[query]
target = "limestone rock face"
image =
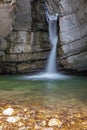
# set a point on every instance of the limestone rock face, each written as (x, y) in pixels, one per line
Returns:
(23, 15)
(72, 49)
(73, 34)
(26, 47)
(5, 19)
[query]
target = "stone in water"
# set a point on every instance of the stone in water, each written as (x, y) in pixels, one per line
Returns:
(8, 111)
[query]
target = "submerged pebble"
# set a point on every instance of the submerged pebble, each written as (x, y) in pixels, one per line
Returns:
(43, 123)
(23, 128)
(48, 128)
(38, 117)
(54, 122)
(0, 127)
(13, 119)
(8, 111)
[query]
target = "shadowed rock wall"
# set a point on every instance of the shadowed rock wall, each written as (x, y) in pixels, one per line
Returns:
(26, 48)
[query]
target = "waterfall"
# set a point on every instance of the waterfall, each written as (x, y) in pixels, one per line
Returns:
(53, 38)
(51, 68)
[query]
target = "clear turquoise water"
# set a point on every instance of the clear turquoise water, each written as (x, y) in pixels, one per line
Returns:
(71, 92)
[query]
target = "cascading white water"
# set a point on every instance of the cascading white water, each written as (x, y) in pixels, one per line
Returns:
(51, 69)
(53, 38)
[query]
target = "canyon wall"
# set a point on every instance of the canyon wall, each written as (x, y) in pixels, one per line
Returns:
(72, 46)
(26, 47)
(24, 43)
(73, 35)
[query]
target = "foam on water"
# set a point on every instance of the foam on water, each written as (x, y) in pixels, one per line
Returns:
(45, 76)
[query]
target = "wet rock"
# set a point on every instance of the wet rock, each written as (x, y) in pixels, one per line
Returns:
(23, 128)
(84, 124)
(21, 124)
(48, 128)
(37, 127)
(13, 119)
(0, 127)
(43, 123)
(8, 111)
(43, 118)
(55, 122)
(72, 122)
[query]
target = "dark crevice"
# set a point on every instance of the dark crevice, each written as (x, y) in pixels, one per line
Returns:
(47, 50)
(19, 62)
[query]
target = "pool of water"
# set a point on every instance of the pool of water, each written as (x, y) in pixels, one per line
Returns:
(65, 92)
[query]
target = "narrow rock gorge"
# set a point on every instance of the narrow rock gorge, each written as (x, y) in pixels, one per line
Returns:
(24, 43)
